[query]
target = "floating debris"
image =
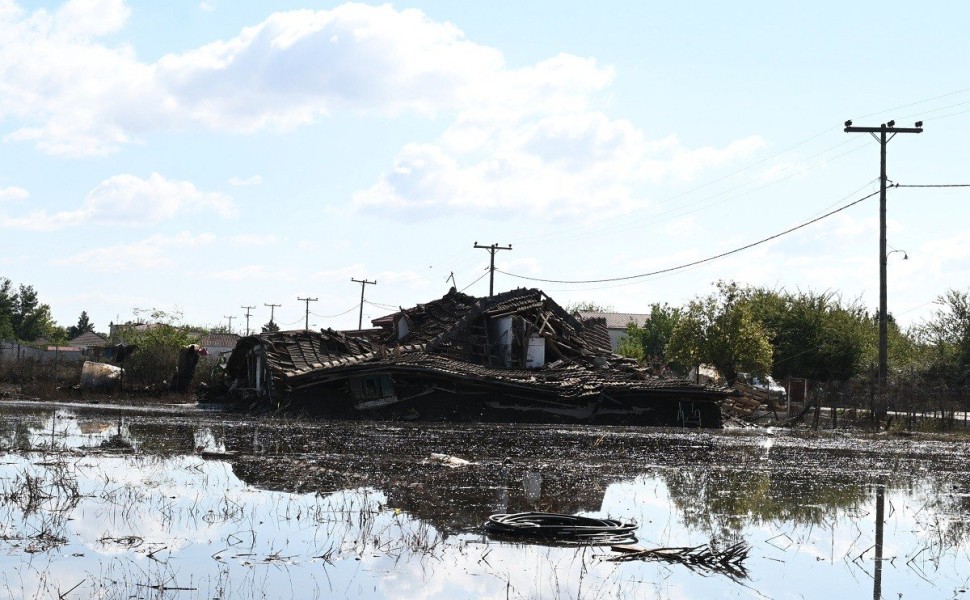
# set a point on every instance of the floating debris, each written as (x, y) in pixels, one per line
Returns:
(706, 557)
(561, 529)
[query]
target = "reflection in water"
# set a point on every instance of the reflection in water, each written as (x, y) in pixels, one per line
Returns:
(880, 521)
(358, 510)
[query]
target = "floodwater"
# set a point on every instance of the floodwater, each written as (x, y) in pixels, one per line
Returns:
(101, 502)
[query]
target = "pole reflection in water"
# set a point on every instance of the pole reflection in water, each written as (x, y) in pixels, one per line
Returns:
(880, 510)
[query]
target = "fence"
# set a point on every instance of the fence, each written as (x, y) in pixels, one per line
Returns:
(913, 400)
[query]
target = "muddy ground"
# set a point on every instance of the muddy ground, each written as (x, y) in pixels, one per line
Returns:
(399, 494)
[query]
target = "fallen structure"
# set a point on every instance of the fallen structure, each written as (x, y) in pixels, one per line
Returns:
(516, 356)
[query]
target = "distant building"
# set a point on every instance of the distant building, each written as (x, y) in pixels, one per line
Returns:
(217, 344)
(87, 340)
(616, 323)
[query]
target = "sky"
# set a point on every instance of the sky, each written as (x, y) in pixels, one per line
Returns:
(201, 157)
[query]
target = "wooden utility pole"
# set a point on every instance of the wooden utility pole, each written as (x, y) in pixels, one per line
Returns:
(248, 308)
(886, 131)
(491, 269)
(306, 325)
(363, 283)
(271, 307)
(230, 321)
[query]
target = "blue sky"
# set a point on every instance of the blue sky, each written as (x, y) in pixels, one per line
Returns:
(203, 156)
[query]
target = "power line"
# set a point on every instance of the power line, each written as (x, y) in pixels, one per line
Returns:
(363, 283)
(696, 262)
(333, 316)
(931, 185)
(587, 232)
(886, 132)
(306, 324)
(272, 310)
(480, 277)
(379, 305)
(248, 314)
(492, 249)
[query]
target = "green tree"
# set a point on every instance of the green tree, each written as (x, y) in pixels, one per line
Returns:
(587, 306)
(650, 341)
(945, 337)
(6, 309)
(721, 330)
(271, 327)
(814, 335)
(159, 342)
(30, 319)
(83, 326)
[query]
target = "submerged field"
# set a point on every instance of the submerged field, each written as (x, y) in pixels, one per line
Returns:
(105, 502)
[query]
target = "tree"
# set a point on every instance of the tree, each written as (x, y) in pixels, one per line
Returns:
(159, 343)
(271, 327)
(814, 335)
(83, 326)
(721, 330)
(6, 309)
(946, 337)
(30, 319)
(587, 306)
(650, 341)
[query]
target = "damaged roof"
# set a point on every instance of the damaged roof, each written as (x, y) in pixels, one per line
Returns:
(440, 341)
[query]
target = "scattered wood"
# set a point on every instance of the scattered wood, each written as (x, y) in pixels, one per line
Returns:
(705, 558)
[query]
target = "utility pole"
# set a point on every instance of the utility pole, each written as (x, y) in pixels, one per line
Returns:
(363, 283)
(248, 308)
(306, 325)
(491, 276)
(271, 307)
(886, 131)
(230, 321)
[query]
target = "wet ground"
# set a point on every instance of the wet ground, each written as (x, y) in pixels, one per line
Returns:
(176, 502)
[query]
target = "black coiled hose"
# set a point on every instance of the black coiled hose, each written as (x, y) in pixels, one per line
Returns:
(557, 528)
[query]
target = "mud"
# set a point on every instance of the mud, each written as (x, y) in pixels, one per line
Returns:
(151, 502)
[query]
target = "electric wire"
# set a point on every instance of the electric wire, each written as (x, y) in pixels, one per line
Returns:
(695, 205)
(931, 185)
(696, 262)
(559, 236)
(382, 306)
(476, 281)
(354, 307)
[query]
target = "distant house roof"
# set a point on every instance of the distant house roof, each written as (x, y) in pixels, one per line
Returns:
(597, 334)
(615, 320)
(219, 340)
(88, 339)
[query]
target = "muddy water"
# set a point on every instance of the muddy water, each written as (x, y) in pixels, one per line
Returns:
(109, 503)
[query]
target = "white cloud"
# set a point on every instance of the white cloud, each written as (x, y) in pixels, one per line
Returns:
(254, 239)
(527, 141)
(581, 166)
(247, 272)
(121, 257)
(207, 6)
(147, 255)
(244, 181)
(129, 200)
(339, 275)
(65, 92)
(283, 72)
(13, 193)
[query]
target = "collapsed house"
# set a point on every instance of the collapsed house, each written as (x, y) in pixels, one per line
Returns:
(515, 356)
